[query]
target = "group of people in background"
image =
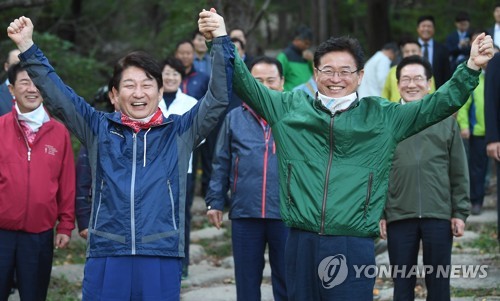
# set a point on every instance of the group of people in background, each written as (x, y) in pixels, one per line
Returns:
(303, 150)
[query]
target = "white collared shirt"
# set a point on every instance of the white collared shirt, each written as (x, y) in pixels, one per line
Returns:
(496, 35)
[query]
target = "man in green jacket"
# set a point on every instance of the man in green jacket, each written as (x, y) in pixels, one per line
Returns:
(335, 152)
(428, 196)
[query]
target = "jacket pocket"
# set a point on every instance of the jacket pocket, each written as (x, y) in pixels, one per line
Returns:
(235, 171)
(368, 194)
(99, 201)
(288, 184)
(172, 204)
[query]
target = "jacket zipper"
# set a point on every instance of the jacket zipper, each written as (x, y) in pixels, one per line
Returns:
(28, 147)
(419, 157)
(327, 177)
(267, 136)
(236, 162)
(132, 192)
(368, 193)
(288, 185)
(99, 204)
(172, 204)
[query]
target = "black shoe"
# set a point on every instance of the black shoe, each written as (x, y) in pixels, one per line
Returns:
(475, 210)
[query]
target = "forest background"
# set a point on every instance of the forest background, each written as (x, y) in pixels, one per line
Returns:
(83, 39)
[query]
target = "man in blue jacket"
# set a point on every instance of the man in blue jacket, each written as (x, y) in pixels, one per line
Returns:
(139, 160)
(245, 163)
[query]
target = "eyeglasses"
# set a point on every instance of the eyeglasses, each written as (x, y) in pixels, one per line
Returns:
(341, 74)
(406, 80)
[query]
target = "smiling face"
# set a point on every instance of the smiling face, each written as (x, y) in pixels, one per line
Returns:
(268, 75)
(336, 86)
(425, 30)
(185, 53)
(138, 95)
(410, 49)
(27, 96)
(413, 83)
(199, 44)
(171, 79)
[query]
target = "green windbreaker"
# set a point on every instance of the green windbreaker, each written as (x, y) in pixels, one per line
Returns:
(334, 168)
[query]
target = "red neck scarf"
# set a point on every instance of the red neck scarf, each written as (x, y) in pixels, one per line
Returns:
(137, 125)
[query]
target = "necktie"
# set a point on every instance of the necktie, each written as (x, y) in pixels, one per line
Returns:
(426, 51)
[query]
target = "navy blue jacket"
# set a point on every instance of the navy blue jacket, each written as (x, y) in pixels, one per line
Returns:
(83, 194)
(492, 100)
(5, 99)
(138, 179)
(245, 162)
(195, 84)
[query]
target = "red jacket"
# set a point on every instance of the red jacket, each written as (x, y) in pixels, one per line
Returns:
(38, 188)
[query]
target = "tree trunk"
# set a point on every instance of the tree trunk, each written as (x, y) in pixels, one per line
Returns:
(378, 29)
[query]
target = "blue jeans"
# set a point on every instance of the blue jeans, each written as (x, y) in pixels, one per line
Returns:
(324, 267)
(403, 243)
(250, 237)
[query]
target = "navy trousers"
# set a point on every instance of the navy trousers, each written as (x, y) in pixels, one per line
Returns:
(326, 267)
(478, 166)
(250, 237)
(134, 278)
(403, 243)
(30, 255)
(187, 223)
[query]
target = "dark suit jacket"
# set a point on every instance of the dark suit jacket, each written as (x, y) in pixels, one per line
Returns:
(452, 44)
(492, 100)
(491, 31)
(5, 99)
(440, 64)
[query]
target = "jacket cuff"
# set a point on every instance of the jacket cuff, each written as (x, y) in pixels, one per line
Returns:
(28, 53)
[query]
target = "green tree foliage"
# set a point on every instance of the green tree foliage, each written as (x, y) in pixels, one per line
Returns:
(83, 39)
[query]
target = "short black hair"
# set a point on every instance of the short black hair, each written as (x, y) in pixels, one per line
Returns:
(195, 33)
(414, 59)
(462, 16)
(239, 41)
(409, 40)
(391, 46)
(303, 33)
(426, 18)
(185, 41)
(175, 64)
(266, 60)
(344, 43)
(141, 60)
(13, 71)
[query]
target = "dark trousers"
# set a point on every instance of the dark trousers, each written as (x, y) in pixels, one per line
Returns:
(250, 237)
(132, 278)
(323, 267)
(497, 166)
(30, 255)
(478, 166)
(403, 243)
(187, 223)
(206, 154)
